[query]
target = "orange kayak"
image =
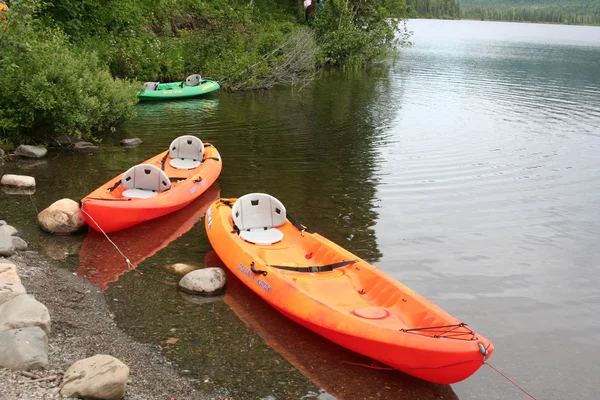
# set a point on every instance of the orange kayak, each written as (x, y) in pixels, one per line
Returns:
(332, 292)
(159, 186)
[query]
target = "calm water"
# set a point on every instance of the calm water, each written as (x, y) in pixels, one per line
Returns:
(468, 170)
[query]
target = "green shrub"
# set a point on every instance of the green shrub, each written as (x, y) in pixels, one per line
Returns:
(48, 88)
(357, 33)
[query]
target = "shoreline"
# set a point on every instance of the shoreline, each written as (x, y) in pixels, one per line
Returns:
(81, 327)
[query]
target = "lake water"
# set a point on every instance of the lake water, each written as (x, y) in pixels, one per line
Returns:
(468, 169)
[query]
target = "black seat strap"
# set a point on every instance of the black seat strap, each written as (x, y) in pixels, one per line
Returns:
(162, 162)
(315, 268)
(298, 225)
(115, 186)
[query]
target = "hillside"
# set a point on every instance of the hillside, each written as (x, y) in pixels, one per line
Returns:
(584, 12)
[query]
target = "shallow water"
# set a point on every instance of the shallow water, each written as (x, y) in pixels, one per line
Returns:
(467, 170)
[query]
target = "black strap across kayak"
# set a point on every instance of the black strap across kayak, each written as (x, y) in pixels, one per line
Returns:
(298, 225)
(315, 268)
(164, 159)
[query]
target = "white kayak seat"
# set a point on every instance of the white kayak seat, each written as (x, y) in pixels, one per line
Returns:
(193, 80)
(144, 180)
(151, 86)
(186, 152)
(257, 216)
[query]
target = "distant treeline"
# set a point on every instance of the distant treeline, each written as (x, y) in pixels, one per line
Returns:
(445, 9)
(580, 12)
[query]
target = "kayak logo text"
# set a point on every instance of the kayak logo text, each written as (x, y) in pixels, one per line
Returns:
(260, 282)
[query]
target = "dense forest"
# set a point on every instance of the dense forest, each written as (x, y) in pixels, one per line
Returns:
(74, 67)
(444, 9)
(582, 12)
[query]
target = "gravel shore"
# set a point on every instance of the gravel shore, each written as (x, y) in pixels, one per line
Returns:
(82, 326)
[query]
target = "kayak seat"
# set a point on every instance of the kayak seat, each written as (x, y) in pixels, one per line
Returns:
(257, 216)
(143, 181)
(151, 86)
(186, 152)
(193, 80)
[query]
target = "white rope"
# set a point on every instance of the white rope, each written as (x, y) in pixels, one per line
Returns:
(113, 243)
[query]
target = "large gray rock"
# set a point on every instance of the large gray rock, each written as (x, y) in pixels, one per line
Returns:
(31, 151)
(100, 377)
(24, 349)
(19, 244)
(8, 230)
(10, 283)
(205, 282)
(7, 248)
(20, 181)
(24, 311)
(62, 216)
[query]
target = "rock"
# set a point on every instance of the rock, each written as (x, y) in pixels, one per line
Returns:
(131, 142)
(24, 349)
(100, 377)
(64, 141)
(2, 155)
(24, 311)
(206, 282)
(31, 151)
(181, 268)
(7, 248)
(10, 283)
(2, 222)
(20, 181)
(19, 244)
(62, 216)
(85, 147)
(8, 230)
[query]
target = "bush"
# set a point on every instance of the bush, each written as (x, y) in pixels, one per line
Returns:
(357, 33)
(48, 88)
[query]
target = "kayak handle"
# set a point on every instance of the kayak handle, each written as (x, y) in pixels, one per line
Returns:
(257, 271)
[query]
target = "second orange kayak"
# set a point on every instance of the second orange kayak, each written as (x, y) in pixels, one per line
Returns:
(160, 185)
(331, 291)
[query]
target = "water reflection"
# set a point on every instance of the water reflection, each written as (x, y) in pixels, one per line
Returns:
(101, 263)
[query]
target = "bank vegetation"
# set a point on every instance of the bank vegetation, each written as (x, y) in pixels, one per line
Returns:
(74, 67)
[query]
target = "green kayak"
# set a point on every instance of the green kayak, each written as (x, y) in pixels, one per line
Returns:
(193, 86)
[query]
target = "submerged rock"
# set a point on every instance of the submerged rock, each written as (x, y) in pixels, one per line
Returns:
(131, 142)
(181, 268)
(30, 151)
(20, 181)
(24, 349)
(205, 282)
(62, 217)
(100, 377)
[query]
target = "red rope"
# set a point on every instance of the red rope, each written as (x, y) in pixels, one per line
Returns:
(510, 380)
